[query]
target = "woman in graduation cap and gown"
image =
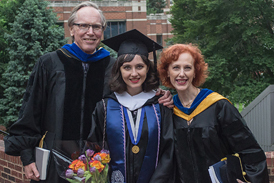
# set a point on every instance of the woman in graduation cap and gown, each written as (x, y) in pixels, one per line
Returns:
(207, 127)
(138, 130)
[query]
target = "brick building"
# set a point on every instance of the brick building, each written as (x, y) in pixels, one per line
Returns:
(121, 16)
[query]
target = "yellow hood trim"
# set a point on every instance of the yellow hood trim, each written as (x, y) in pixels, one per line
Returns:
(207, 102)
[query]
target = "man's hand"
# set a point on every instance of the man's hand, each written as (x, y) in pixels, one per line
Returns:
(31, 172)
(166, 99)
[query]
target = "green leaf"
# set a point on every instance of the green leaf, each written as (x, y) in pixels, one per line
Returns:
(236, 39)
(73, 180)
(30, 32)
(88, 177)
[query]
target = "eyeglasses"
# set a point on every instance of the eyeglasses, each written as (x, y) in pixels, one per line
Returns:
(85, 27)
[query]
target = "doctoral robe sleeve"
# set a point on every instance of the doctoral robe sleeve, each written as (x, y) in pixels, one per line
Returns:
(97, 124)
(239, 139)
(164, 171)
(25, 133)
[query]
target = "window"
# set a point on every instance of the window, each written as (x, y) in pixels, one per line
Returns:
(159, 39)
(114, 28)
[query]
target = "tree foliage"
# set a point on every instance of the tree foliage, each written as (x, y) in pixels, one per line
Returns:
(112, 52)
(155, 6)
(237, 40)
(7, 15)
(33, 33)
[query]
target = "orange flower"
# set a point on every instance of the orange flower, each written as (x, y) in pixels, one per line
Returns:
(105, 158)
(76, 164)
(97, 164)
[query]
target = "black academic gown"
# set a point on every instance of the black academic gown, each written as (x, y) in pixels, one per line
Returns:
(215, 132)
(59, 98)
(164, 169)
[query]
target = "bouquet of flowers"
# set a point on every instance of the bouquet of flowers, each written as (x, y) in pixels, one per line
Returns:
(89, 167)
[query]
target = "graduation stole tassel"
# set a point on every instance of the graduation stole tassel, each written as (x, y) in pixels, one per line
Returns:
(134, 130)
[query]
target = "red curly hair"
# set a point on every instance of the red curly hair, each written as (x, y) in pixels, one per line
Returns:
(172, 54)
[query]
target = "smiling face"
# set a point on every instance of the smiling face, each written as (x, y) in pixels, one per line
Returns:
(181, 72)
(87, 41)
(134, 74)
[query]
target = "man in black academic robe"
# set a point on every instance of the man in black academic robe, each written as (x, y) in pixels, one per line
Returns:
(62, 92)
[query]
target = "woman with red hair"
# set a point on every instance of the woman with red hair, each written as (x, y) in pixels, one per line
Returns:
(207, 127)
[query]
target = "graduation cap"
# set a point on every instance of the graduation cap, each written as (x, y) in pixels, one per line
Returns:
(133, 42)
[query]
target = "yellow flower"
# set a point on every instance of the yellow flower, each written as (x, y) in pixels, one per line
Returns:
(97, 164)
(105, 158)
(76, 164)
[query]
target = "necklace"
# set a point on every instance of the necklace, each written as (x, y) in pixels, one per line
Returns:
(189, 103)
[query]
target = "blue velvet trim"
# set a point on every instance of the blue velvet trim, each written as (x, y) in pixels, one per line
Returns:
(115, 137)
(199, 98)
(116, 140)
(149, 162)
(76, 51)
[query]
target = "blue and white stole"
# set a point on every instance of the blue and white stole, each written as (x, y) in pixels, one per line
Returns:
(116, 137)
